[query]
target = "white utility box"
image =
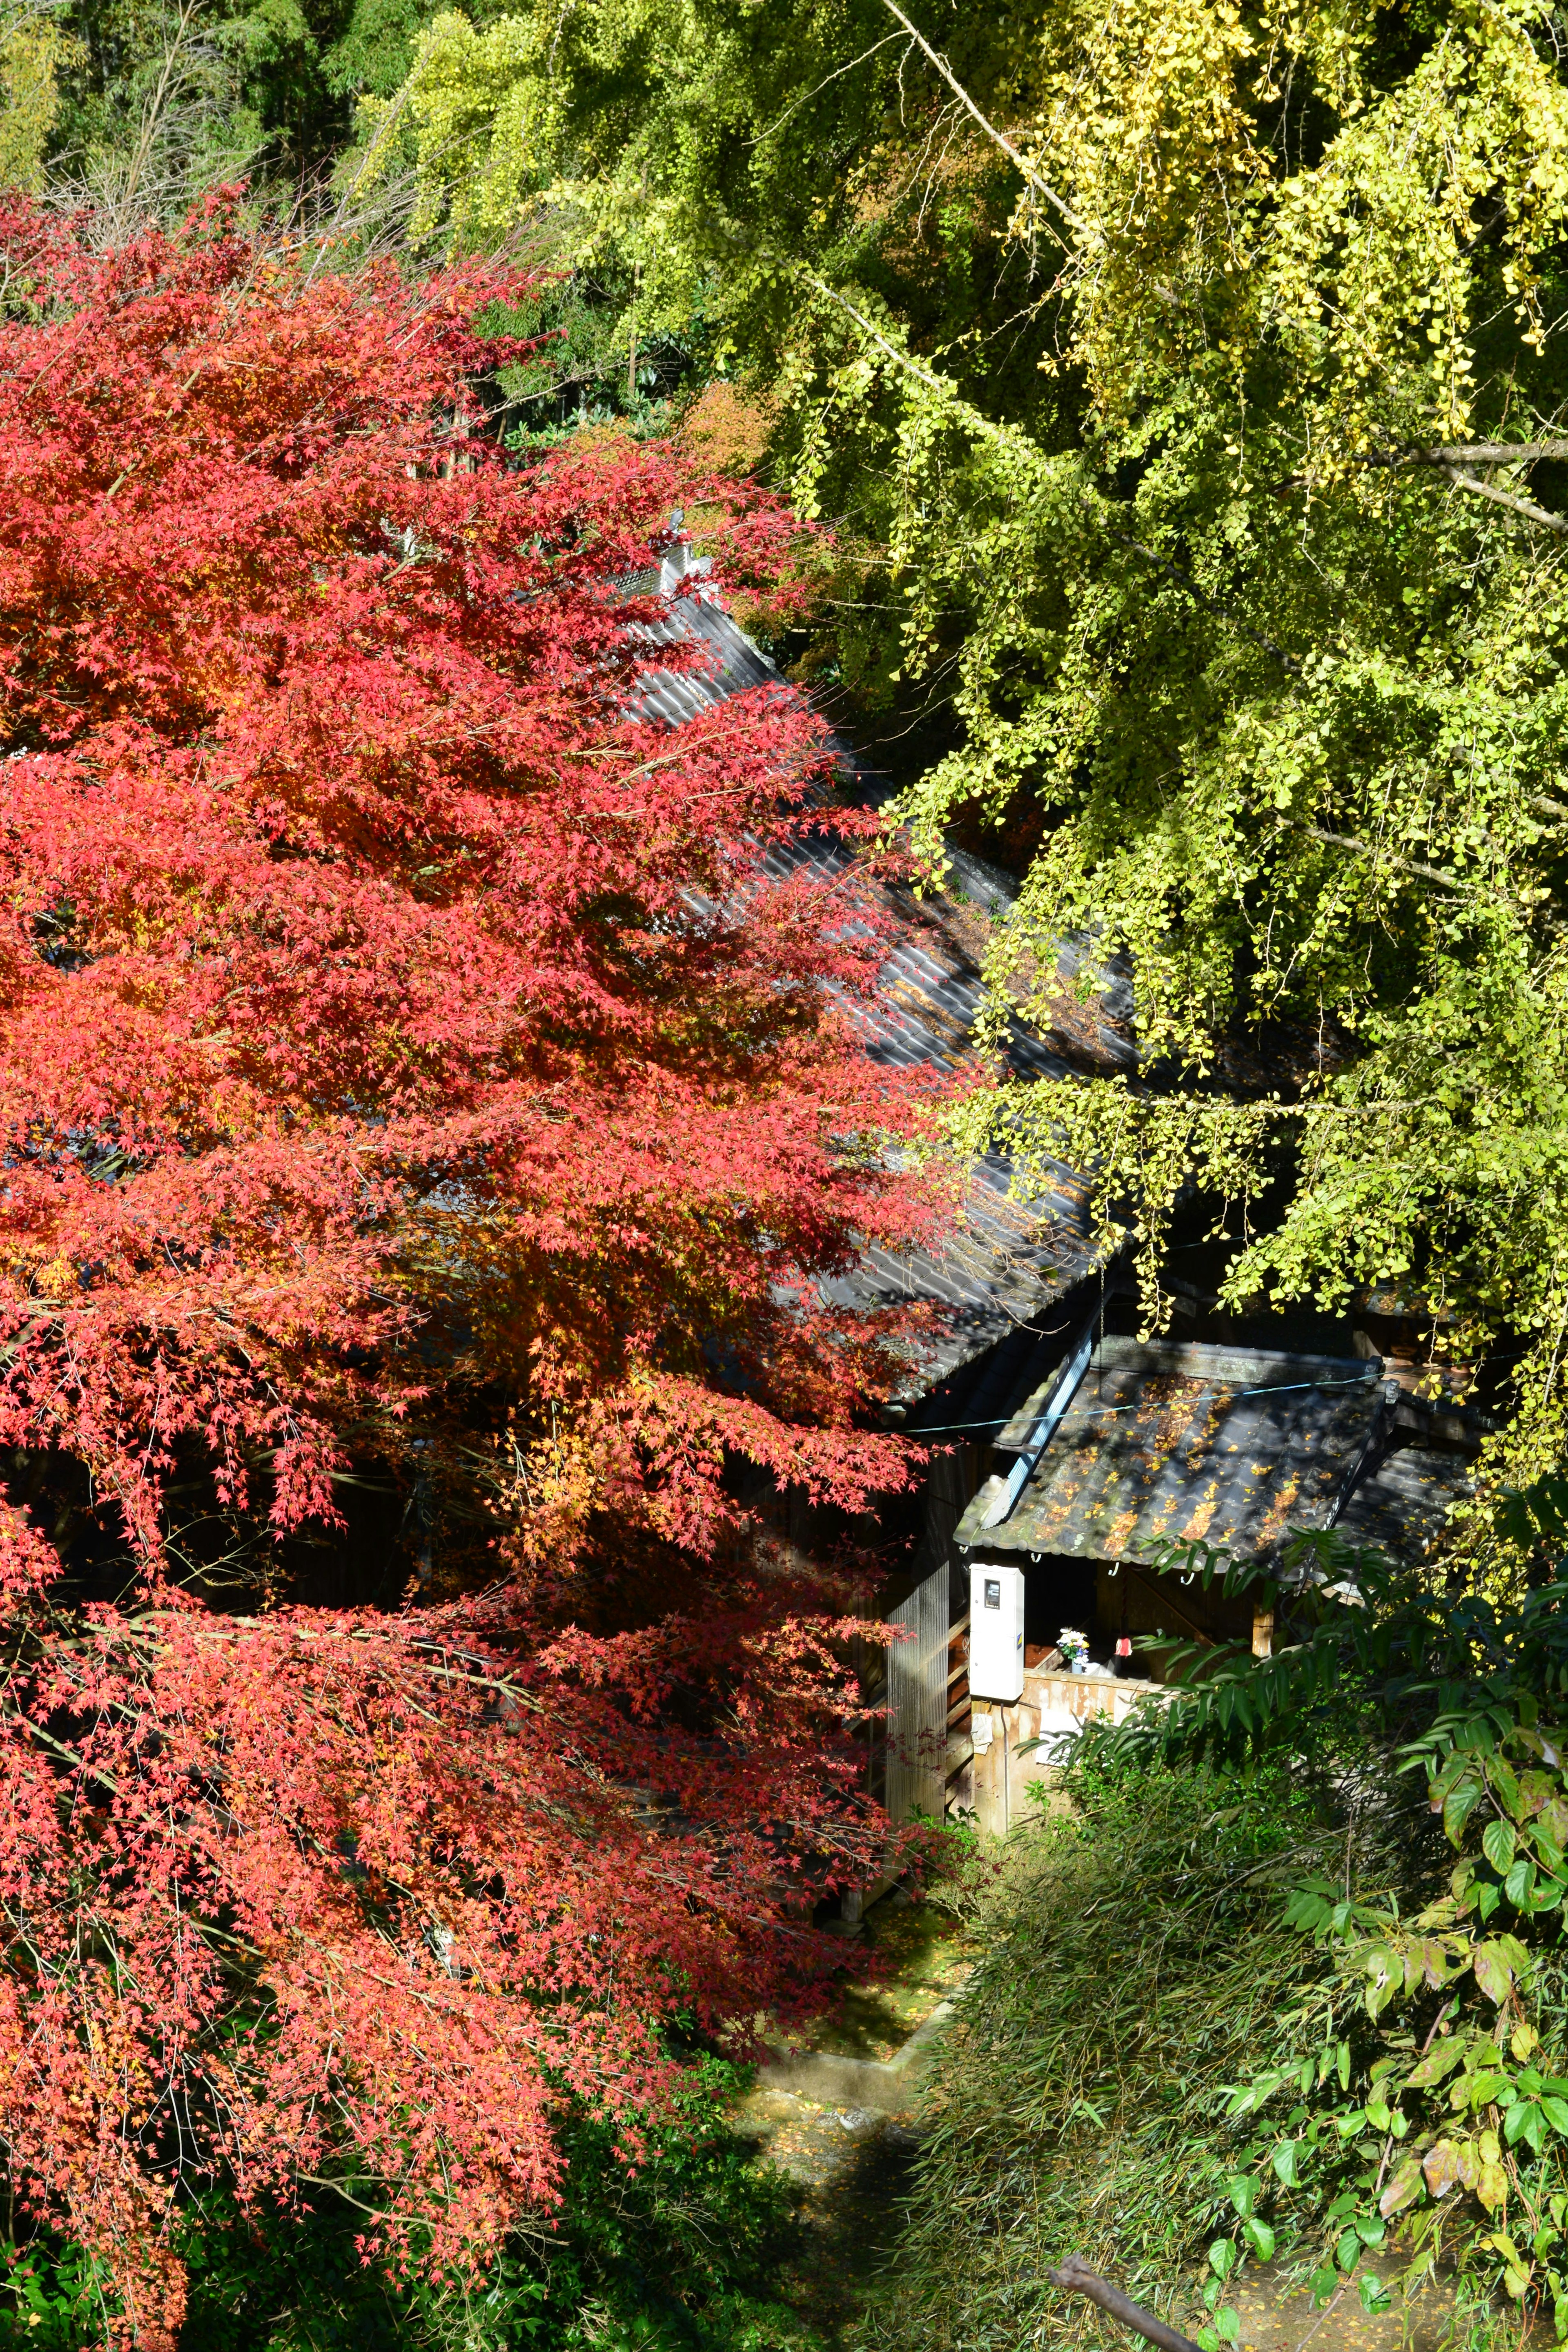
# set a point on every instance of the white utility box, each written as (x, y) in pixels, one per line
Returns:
(996, 1633)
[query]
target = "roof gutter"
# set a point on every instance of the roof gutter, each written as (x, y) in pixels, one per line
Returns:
(1047, 1421)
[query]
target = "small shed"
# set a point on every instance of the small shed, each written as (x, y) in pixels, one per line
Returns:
(1110, 1447)
(1140, 1443)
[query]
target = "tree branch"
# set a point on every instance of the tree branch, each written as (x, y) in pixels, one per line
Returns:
(1075, 2275)
(1495, 453)
(1366, 849)
(1451, 459)
(1033, 179)
(1509, 499)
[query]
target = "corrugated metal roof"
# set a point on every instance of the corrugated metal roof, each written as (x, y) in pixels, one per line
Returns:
(1009, 1255)
(736, 666)
(1234, 1446)
(996, 1275)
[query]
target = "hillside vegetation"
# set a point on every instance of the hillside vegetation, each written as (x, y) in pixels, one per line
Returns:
(432, 1160)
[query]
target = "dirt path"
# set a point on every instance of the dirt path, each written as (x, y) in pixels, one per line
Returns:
(852, 2163)
(1277, 2317)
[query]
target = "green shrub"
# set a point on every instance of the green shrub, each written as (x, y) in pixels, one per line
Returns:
(1138, 1967)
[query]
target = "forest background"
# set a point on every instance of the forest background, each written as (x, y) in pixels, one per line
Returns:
(1180, 385)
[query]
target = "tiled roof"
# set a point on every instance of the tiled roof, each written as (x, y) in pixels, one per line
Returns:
(1235, 1446)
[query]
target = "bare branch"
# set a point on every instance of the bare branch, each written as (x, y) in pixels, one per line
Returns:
(1495, 453)
(1509, 499)
(1031, 176)
(1075, 2275)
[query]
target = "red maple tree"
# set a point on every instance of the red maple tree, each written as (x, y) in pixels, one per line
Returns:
(406, 1077)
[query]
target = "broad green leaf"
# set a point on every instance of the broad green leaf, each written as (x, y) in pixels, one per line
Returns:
(1519, 1881)
(1498, 1843)
(1287, 2162)
(1260, 2237)
(1457, 1807)
(1524, 2120)
(1547, 1848)
(1439, 2061)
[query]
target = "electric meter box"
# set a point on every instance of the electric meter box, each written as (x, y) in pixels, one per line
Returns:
(996, 1633)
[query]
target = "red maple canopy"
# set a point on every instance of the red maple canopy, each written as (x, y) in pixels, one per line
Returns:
(404, 1076)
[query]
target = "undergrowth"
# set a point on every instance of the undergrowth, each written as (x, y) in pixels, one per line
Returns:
(1286, 1982)
(682, 2254)
(1137, 1968)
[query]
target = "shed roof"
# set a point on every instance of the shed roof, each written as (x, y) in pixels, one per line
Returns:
(1401, 1506)
(1235, 1446)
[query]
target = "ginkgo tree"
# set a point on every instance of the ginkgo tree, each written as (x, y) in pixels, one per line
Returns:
(1190, 375)
(408, 1077)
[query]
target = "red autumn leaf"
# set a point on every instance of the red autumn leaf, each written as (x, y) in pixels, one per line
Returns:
(403, 1055)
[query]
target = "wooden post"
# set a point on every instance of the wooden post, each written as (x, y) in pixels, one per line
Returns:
(1262, 1631)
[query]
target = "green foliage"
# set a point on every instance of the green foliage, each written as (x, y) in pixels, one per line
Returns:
(1137, 1964)
(34, 53)
(1132, 382)
(674, 2252)
(587, 372)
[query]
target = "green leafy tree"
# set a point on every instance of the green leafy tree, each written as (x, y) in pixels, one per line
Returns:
(1189, 377)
